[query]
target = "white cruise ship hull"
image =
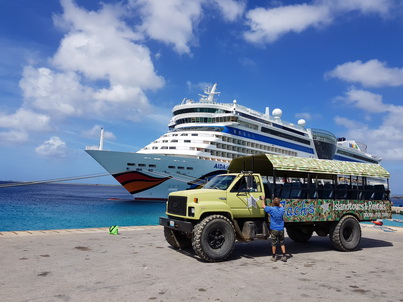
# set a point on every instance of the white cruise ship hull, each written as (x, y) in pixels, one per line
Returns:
(152, 177)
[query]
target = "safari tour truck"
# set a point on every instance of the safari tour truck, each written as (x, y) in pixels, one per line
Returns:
(327, 197)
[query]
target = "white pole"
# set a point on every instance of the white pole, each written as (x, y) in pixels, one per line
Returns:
(101, 140)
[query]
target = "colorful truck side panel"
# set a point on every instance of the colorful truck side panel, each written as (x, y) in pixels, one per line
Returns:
(316, 210)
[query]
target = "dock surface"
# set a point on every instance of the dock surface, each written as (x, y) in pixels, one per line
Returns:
(138, 265)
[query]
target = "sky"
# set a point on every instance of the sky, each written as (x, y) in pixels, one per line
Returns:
(70, 67)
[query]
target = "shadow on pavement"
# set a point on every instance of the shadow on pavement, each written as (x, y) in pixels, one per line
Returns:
(316, 244)
(262, 248)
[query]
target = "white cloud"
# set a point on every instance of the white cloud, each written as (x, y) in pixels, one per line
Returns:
(365, 100)
(18, 125)
(372, 73)
(308, 116)
(385, 140)
(101, 57)
(59, 93)
(26, 120)
(170, 21)
(95, 131)
(13, 137)
(54, 147)
(231, 10)
(175, 22)
(98, 70)
(343, 121)
(381, 7)
(268, 25)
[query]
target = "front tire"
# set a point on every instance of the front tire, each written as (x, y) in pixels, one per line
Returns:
(214, 238)
(345, 235)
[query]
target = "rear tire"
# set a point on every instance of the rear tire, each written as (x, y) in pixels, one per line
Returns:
(299, 234)
(214, 238)
(345, 234)
(176, 239)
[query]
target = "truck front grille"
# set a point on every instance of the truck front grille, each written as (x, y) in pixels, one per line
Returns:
(177, 205)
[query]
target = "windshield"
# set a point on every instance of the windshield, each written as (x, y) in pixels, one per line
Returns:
(219, 182)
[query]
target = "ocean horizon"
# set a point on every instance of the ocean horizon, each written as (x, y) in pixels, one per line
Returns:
(50, 206)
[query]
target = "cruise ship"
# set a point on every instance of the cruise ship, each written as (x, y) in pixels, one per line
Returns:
(205, 135)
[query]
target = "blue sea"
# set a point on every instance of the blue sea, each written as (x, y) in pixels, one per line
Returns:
(73, 206)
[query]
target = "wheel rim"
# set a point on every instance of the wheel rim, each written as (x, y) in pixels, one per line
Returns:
(216, 239)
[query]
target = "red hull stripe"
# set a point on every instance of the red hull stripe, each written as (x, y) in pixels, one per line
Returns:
(135, 176)
(136, 182)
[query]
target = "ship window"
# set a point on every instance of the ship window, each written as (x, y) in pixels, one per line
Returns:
(285, 135)
(187, 140)
(171, 167)
(152, 166)
(181, 168)
(200, 109)
(172, 147)
(189, 168)
(165, 147)
(195, 134)
(131, 164)
(174, 141)
(142, 165)
(184, 134)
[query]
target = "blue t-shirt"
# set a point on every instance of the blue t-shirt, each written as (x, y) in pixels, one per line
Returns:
(276, 217)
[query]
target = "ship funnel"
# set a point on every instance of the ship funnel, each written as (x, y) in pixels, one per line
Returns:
(267, 112)
(101, 140)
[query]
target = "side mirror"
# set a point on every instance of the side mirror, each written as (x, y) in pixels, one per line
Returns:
(249, 182)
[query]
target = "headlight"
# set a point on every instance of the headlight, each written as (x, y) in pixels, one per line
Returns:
(191, 211)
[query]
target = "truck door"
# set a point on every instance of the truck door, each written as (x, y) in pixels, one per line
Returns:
(243, 197)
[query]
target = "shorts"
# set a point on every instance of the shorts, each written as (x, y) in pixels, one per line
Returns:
(277, 237)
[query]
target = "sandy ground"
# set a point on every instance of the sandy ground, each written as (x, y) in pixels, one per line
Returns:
(138, 265)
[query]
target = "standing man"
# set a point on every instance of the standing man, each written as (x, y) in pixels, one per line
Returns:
(276, 227)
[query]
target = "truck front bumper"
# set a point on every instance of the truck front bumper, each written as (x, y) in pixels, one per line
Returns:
(175, 224)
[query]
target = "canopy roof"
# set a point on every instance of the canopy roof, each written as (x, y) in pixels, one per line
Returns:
(266, 164)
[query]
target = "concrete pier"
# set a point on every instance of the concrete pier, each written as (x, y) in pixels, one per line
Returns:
(397, 210)
(138, 265)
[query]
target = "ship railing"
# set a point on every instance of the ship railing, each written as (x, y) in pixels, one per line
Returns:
(363, 147)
